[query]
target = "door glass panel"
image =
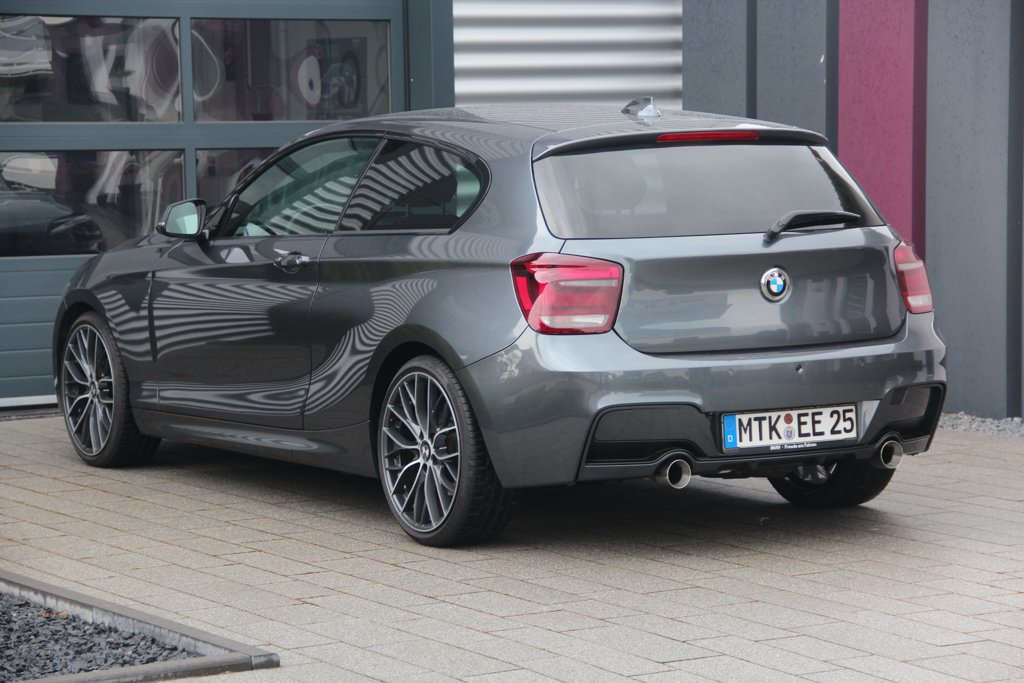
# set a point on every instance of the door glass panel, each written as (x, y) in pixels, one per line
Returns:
(219, 170)
(290, 69)
(83, 202)
(88, 69)
(413, 187)
(303, 193)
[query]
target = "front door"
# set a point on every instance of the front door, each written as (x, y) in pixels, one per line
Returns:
(230, 316)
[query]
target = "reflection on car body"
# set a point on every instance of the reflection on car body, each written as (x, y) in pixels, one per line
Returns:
(466, 302)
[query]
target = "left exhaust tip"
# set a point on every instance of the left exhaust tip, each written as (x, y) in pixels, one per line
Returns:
(676, 473)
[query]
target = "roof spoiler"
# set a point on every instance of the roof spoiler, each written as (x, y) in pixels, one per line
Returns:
(765, 135)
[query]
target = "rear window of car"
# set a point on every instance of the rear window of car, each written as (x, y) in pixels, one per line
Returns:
(682, 190)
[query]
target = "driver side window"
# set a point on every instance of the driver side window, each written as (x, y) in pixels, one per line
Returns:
(303, 193)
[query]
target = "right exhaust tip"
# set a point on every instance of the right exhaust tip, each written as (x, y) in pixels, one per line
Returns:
(889, 456)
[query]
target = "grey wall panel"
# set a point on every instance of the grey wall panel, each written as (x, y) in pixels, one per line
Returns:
(594, 51)
(715, 56)
(30, 290)
(791, 47)
(968, 72)
(430, 64)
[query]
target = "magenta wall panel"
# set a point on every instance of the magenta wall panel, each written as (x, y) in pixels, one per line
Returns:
(882, 90)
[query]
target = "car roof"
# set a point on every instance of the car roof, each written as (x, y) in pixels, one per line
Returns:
(543, 129)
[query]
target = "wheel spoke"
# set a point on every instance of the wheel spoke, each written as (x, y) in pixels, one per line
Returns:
(432, 497)
(449, 487)
(403, 444)
(76, 373)
(404, 420)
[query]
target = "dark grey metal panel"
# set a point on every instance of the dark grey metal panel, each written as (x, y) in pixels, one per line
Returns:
(715, 56)
(968, 117)
(30, 290)
(431, 62)
(791, 48)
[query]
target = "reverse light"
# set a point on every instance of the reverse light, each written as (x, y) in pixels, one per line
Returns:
(563, 294)
(709, 136)
(913, 279)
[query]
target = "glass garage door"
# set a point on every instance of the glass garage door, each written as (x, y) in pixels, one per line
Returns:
(106, 119)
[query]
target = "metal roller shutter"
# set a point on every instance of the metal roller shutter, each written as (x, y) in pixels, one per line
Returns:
(594, 51)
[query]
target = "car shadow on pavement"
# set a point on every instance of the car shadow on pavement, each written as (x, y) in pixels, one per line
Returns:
(728, 517)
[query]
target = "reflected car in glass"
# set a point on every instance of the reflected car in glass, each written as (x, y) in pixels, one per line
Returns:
(466, 302)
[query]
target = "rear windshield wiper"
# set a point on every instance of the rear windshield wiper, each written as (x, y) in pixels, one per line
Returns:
(803, 219)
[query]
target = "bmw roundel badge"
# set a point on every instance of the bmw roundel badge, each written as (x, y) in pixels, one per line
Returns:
(775, 284)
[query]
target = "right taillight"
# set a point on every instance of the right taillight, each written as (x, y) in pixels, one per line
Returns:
(564, 294)
(917, 293)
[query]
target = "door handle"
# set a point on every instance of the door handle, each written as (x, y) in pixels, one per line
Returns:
(292, 261)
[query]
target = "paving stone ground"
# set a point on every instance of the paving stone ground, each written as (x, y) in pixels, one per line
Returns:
(723, 581)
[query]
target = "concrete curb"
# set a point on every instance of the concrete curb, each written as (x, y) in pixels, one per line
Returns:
(220, 655)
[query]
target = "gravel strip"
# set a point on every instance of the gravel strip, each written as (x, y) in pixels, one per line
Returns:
(37, 642)
(1011, 426)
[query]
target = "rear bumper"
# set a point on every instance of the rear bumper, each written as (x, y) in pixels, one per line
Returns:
(544, 402)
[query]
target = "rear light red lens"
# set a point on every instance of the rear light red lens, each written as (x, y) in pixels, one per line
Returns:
(708, 136)
(563, 294)
(917, 293)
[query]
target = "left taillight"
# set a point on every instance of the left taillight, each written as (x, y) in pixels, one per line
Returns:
(564, 294)
(913, 279)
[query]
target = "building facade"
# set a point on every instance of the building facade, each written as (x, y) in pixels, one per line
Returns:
(111, 110)
(107, 115)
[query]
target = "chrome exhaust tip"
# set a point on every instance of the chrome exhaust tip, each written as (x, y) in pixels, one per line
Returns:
(676, 473)
(889, 456)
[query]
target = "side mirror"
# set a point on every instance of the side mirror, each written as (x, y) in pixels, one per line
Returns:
(184, 219)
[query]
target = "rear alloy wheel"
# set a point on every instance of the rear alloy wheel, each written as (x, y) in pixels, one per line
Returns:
(836, 485)
(94, 398)
(436, 474)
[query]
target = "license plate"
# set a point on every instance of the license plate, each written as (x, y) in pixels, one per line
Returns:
(784, 430)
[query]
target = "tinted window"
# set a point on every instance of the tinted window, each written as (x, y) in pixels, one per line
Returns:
(412, 187)
(303, 193)
(82, 201)
(691, 190)
(89, 69)
(290, 69)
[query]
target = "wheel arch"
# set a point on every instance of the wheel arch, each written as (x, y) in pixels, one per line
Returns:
(71, 308)
(397, 349)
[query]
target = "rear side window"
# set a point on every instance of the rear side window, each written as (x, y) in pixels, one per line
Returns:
(413, 187)
(691, 190)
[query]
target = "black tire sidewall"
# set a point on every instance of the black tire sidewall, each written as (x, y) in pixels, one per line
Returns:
(851, 483)
(108, 454)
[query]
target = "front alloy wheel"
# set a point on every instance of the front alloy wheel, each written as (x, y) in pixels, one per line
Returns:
(434, 468)
(94, 398)
(88, 393)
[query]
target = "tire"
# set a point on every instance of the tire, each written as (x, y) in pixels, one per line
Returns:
(835, 485)
(93, 390)
(434, 468)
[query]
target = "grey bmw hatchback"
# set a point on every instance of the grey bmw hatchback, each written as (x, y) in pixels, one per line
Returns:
(465, 302)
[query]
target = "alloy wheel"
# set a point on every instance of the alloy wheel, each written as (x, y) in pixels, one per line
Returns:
(420, 443)
(88, 389)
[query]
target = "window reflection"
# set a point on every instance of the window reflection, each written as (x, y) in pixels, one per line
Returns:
(219, 170)
(88, 69)
(278, 70)
(83, 202)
